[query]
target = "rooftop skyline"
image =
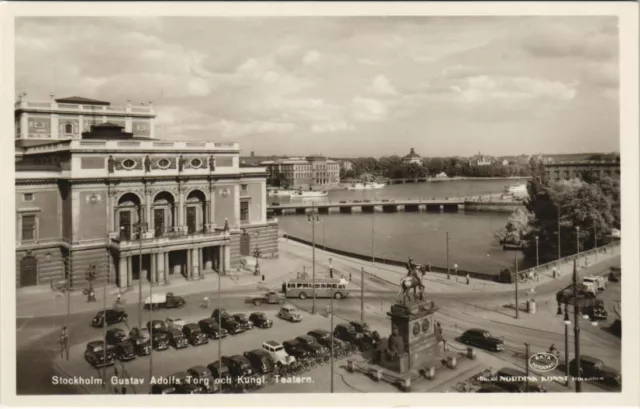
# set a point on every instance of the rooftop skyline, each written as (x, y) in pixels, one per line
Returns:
(346, 87)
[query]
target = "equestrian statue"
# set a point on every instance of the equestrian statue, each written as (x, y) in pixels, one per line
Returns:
(413, 280)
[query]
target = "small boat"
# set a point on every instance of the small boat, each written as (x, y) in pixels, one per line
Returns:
(309, 193)
(366, 186)
(279, 192)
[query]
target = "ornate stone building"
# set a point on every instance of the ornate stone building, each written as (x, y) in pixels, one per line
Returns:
(132, 206)
(310, 172)
(574, 169)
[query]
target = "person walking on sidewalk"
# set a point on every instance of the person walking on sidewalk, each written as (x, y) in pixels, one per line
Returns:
(555, 272)
(468, 281)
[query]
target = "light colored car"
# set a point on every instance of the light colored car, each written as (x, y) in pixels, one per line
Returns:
(290, 313)
(177, 323)
(277, 352)
(598, 282)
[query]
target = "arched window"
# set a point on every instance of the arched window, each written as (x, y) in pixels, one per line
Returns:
(68, 129)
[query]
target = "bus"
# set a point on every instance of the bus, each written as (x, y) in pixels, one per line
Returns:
(303, 288)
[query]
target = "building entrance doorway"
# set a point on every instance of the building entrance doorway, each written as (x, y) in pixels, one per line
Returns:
(28, 271)
(245, 244)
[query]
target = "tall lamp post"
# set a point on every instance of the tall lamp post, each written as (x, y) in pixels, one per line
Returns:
(537, 254)
(140, 227)
(595, 238)
(559, 245)
(517, 279)
(257, 254)
(448, 272)
(577, 241)
(313, 218)
(455, 269)
(331, 332)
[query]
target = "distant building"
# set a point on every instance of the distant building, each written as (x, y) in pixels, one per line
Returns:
(505, 162)
(303, 173)
(574, 169)
(346, 165)
(441, 175)
(412, 157)
(480, 160)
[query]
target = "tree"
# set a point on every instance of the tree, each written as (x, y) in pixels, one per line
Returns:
(517, 227)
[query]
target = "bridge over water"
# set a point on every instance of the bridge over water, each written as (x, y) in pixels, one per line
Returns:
(393, 206)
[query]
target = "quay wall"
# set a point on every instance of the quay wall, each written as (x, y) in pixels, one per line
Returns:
(478, 206)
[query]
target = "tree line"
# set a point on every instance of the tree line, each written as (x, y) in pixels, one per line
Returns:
(392, 167)
(564, 215)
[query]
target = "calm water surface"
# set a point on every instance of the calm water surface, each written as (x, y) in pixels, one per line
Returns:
(420, 235)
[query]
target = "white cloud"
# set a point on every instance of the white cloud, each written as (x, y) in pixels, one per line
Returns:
(311, 57)
(382, 86)
(484, 89)
(369, 110)
(332, 127)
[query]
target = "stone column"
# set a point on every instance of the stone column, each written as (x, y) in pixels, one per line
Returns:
(110, 212)
(167, 266)
(122, 272)
(189, 263)
(227, 258)
(152, 268)
(181, 203)
(211, 208)
(129, 272)
(195, 262)
(160, 268)
(147, 210)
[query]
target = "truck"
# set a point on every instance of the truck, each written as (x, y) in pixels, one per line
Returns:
(164, 300)
(599, 282)
(270, 297)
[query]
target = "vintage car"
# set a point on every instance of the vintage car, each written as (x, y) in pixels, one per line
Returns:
(124, 351)
(115, 336)
(160, 341)
(137, 332)
(597, 311)
(591, 367)
(482, 339)
(96, 355)
(176, 338)
(141, 345)
(323, 337)
(231, 325)
(277, 353)
(218, 312)
(296, 350)
(270, 297)
(185, 385)
(239, 366)
(175, 323)
(210, 327)
(290, 313)
(156, 326)
(367, 339)
(201, 376)
(244, 321)
(260, 320)
(312, 345)
(346, 332)
(194, 335)
(221, 375)
(260, 360)
(113, 316)
(513, 380)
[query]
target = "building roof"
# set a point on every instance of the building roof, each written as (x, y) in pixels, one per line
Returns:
(412, 155)
(81, 100)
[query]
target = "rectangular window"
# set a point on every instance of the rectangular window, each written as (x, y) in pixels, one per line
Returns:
(28, 227)
(244, 211)
(244, 188)
(27, 197)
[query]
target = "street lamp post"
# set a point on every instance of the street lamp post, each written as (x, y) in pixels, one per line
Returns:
(526, 378)
(537, 255)
(576, 324)
(448, 272)
(331, 331)
(595, 239)
(577, 241)
(313, 219)
(455, 269)
(559, 245)
(517, 279)
(373, 236)
(140, 227)
(567, 322)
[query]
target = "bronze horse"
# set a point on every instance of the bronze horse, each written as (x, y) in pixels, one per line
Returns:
(413, 281)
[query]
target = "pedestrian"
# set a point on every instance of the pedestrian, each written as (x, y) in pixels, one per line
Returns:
(331, 272)
(263, 278)
(284, 288)
(468, 281)
(555, 272)
(349, 277)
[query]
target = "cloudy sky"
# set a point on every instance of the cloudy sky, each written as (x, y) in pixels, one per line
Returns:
(344, 86)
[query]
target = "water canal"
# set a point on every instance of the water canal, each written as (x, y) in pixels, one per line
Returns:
(420, 235)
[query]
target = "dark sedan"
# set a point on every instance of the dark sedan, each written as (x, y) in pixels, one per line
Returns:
(322, 336)
(114, 336)
(312, 345)
(194, 334)
(210, 327)
(184, 384)
(113, 316)
(201, 376)
(140, 345)
(96, 355)
(295, 349)
(176, 338)
(260, 320)
(231, 325)
(159, 341)
(591, 367)
(244, 321)
(482, 339)
(124, 351)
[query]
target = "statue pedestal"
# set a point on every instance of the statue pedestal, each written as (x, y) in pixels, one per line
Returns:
(415, 326)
